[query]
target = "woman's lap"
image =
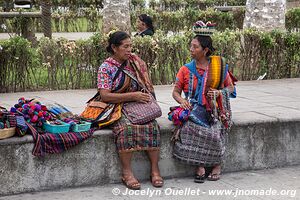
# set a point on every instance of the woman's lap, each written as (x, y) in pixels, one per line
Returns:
(199, 145)
(131, 137)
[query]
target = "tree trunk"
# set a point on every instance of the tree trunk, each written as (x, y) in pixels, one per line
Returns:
(265, 15)
(46, 17)
(116, 15)
(27, 30)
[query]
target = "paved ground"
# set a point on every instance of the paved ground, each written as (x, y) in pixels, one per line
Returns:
(272, 184)
(257, 101)
(70, 36)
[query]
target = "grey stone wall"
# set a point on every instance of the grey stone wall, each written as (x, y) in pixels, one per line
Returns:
(265, 15)
(116, 15)
(250, 146)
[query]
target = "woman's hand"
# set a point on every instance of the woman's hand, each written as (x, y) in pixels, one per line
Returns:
(141, 97)
(211, 92)
(183, 102)
(185, 105)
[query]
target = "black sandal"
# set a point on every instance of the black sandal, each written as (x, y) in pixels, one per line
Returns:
(199, 178)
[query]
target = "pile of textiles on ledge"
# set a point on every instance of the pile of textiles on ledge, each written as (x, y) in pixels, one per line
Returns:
(49, 143)
(53, 127)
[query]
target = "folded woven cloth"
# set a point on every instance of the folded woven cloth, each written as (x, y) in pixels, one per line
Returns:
(49, 143)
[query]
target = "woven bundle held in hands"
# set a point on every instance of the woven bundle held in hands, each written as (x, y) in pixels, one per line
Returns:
(215, 72)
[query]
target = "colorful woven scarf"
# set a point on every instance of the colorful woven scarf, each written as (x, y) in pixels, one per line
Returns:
(178, 115)
(49, 143)
(213, 77)
(141, 72)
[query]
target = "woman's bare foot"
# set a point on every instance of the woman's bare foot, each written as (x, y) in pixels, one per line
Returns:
(215, 174)
(200, 171)
(130, 181)
(156, 179)
(200, 175)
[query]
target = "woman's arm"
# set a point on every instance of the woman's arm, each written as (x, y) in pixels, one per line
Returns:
(177, 96)
(109, 97)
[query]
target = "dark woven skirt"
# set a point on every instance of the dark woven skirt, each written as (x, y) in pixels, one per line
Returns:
(200, 146)
(131, 137)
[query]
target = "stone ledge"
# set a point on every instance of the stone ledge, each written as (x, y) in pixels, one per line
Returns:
(164, 123)
(251, 145)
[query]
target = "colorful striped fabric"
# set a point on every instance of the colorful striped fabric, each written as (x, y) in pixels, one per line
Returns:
(21, 126)
(132, 137)
(12, 120)
(49, 143)
(199, 145)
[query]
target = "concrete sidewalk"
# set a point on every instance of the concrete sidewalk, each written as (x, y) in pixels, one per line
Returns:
(266, 134)
(258, 101)
(270, 184)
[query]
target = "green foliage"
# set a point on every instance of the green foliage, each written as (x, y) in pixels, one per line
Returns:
(137, 4)
(74, 4)
(168, 15)
(16, 57)
(227, 44)
(177, 21)
(84, 17)
(63, 64)
(69, 64)
(173, 5)
(89, 19)
(164, 55)
(292, 18)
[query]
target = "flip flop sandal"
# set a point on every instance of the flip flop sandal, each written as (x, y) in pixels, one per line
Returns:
(133, 185)
(199, 178)
(156, 181)
(211, 177)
